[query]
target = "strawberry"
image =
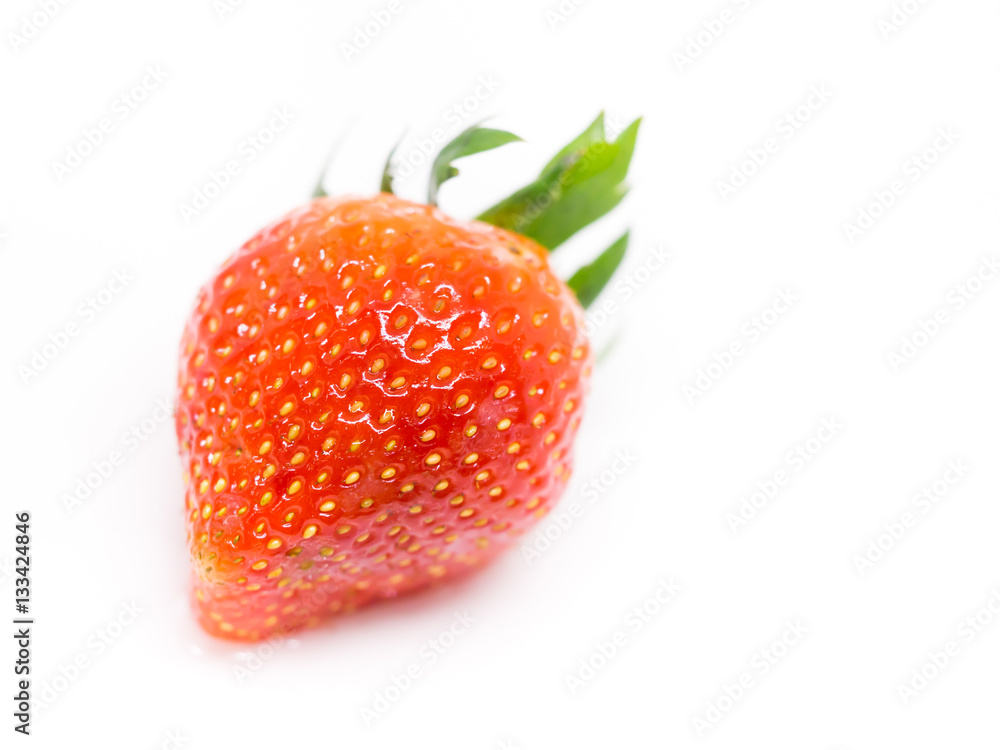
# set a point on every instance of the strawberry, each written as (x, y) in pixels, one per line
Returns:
(374, 396)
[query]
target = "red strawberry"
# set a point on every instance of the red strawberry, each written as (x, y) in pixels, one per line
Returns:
(374, 396)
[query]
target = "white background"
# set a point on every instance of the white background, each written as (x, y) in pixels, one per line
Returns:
(503, 683)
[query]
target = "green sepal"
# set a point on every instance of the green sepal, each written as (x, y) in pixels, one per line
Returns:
(580, 185)
(588, 282)
(387, 175)
(475, 140)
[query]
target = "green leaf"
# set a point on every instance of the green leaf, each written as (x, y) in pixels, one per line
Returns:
(387, 175)
(593, 134)
(580, 185)
(588, 282)
(472, 141)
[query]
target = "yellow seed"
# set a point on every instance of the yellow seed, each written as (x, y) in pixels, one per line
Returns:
(433, 459)
(294, 487)
(503, 424)
(321, 328)
(352, 477)
(501, 392)
(264, 447)
(554, 357)
(521, 465)
(489, 363)
(328, 506)
(444, 372)
(472, 458)
(345, 381)
(377, 365)
(298, 458)
(220, 484)
(266, 497)
(343, 529)
(309, 531)
(273, 543)
(419, 344)
(306, 367)
(408, 487)
(423, 408)
(482, 476)
(416, 509)
(259, 565)
(457, 500)
(539, 420)
(471, 430)
(427, 435)
(442, 485)
(514, 448)
(397, 382)
(496, 492)
(388, 473)
(461, 401)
